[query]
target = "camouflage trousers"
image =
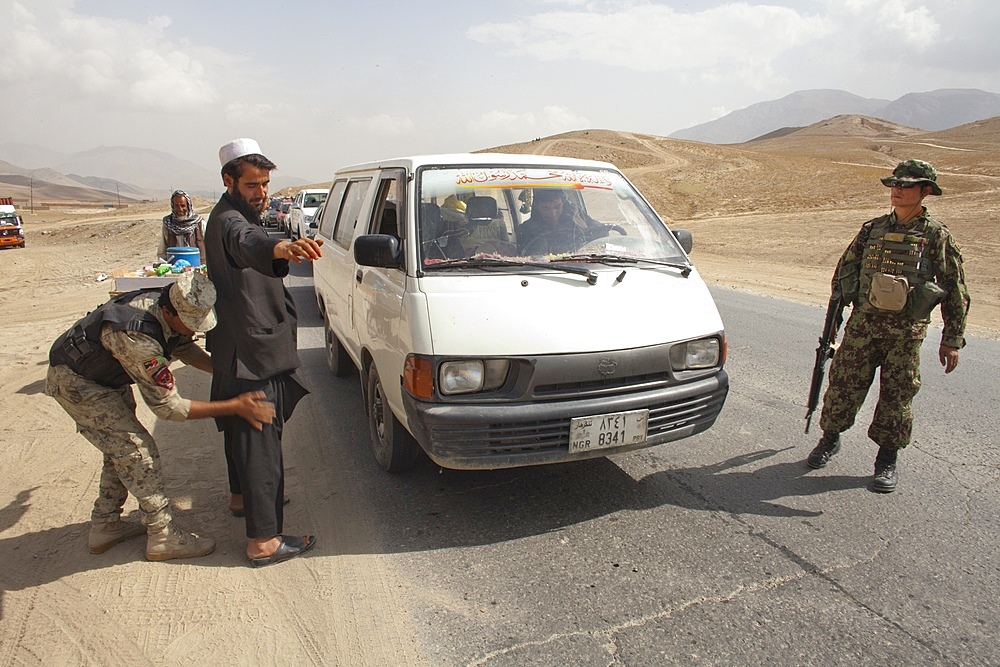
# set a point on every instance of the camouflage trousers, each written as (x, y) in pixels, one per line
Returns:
(106, 418)
(852, 372)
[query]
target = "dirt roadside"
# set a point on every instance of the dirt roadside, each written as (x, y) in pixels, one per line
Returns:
(60, 605)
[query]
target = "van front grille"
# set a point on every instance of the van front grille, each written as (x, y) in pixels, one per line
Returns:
(471, 441)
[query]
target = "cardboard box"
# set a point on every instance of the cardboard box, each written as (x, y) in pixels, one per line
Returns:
(132, 283)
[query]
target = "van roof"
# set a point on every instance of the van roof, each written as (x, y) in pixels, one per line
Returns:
(414, 162)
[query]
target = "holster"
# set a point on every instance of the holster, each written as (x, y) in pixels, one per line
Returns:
(923, 299)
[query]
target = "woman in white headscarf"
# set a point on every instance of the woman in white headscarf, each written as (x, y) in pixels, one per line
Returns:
(183, 227)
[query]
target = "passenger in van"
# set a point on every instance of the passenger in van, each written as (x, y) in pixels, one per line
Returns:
(555, 225)
(551, 228)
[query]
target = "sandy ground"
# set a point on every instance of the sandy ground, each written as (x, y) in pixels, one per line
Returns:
(61, 605)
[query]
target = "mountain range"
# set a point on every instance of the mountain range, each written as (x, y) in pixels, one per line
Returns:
(931, 111)
(120, 173)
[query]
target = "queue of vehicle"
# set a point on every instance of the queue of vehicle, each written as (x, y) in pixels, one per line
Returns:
(303, 211)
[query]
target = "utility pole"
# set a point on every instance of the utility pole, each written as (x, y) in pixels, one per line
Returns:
(32, 194)
(119, 195)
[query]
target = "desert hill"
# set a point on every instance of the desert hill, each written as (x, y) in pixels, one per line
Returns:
(770, 215)
(931, 110)
(775, 214)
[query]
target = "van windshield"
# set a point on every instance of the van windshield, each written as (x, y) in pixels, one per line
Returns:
(536, 214)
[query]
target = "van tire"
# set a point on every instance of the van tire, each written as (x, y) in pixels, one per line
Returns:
(337, 359)
(394, 448)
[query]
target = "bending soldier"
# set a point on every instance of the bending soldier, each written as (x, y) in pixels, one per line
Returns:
(132, 340)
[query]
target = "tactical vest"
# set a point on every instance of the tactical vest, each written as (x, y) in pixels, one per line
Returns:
(81, 350)
(897, 251)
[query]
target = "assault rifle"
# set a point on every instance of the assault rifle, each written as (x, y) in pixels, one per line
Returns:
(834, 318)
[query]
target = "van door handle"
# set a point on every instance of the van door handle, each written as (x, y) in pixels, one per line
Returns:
(358, 276)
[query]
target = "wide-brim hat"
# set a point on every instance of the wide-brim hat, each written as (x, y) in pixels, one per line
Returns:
(238, 148)
(914, 171)
(193, 297)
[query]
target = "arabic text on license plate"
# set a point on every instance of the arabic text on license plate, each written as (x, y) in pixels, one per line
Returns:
(610, 430)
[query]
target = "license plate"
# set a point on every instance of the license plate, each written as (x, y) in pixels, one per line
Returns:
(611, 430)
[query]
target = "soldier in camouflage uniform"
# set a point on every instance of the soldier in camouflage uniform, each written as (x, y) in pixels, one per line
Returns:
(894, 272)
(132, 339)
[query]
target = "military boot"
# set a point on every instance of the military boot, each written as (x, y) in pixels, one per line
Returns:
(828, 445)
(886, 478)
(103, 536)
(171, 542)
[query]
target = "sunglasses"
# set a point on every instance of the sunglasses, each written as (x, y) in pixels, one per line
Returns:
(896, 183)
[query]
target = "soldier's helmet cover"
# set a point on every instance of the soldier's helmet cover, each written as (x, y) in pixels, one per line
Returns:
(914, 171)
(193, 297)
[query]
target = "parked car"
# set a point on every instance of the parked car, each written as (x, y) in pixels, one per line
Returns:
(484, 353)
(271, 213)
(304, 208)
(283, 210)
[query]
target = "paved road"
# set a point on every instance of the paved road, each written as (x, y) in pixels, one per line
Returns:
(723, 549)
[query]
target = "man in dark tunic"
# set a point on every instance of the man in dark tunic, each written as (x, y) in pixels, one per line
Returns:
(254, 345)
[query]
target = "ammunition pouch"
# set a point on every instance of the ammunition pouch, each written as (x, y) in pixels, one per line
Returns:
(923, 299)
(849, 279)
(889, 292)
(76, 347)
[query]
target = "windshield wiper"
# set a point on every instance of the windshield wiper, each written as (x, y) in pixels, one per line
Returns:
(685, 269)
(495, 261)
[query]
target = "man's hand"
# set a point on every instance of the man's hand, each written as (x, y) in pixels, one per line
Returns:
(299, 250)
(948, 357)
(252, 407)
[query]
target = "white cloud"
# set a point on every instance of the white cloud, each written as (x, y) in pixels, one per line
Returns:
(127, 64)
(907, 22)
(735, 41)
(914, 26)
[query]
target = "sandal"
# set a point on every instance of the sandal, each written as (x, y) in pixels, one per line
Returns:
(290, 547)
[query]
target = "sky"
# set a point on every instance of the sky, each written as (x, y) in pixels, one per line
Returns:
(325, 84)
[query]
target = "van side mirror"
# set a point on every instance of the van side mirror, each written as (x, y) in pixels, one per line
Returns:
(380, 250)
(683, 237)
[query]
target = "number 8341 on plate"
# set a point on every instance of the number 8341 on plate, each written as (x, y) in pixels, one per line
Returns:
(614, 429)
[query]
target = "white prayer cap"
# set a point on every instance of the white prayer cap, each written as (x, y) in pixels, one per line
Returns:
(238, 148)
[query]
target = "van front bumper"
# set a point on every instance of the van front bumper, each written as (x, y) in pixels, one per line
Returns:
(506, 435)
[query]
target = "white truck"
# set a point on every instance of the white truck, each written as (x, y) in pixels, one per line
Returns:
(550, 316)
(11, 226)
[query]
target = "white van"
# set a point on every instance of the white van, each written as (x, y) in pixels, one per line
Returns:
(512, 310)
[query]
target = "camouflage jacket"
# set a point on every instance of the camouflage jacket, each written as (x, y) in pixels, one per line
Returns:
(142, 358)
(946, 263)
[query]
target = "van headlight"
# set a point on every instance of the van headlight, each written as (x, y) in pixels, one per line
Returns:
(695, 354)
(468, 376)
